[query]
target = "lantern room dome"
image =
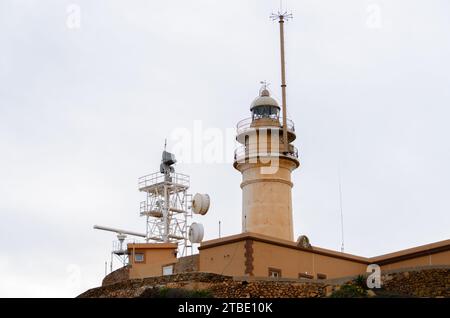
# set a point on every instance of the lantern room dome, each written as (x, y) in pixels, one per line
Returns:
(264, 99)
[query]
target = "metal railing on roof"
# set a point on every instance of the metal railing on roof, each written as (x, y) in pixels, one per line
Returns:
(242, 152)
(247, 124)
(158, 178)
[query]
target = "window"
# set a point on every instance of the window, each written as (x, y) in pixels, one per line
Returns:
(167, 270)
(139, 258)
(305, 275)
(274, 272)
(321, 276)
(265, 112)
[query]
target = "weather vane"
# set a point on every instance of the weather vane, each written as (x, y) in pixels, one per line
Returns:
(264, 84)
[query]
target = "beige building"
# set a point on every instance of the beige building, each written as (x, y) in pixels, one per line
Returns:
(255, 255)
(251, 254)
(151, 259)
(266, 246)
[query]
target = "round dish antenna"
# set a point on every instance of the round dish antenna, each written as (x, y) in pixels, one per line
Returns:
(200, 203)
(196, 233)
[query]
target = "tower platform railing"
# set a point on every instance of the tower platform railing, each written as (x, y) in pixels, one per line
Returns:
(157, 179)
(252, 150)
(247, 124)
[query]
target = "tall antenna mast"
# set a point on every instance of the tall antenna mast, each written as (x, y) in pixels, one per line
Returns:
(342, 213)
(282, 16)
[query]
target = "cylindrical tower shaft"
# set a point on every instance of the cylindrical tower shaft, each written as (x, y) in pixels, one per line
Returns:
(267, 200)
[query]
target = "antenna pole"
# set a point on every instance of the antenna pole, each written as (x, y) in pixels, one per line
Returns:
(281, 18)
(283, 82)
(342, 213)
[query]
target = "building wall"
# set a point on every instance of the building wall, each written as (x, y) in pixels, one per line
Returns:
(291, 262)
(442, 258)
(227, 259)
(241, 259)
(154, 259)
(251, 254)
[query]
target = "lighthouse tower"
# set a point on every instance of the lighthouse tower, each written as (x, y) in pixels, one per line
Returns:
(266, 165)
(266, 159)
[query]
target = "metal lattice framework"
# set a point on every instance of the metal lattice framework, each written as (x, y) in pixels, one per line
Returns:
(167, 208)
(119, 249)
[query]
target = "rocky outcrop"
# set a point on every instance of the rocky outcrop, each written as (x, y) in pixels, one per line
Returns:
(119, 275)
(135, 287)
(216, 285)
(424, 282)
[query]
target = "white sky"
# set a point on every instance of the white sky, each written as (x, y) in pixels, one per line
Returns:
(84, 113)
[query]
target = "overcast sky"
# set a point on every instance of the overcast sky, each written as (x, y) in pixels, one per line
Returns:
(85, 106)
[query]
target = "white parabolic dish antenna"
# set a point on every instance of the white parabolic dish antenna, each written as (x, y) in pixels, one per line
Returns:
(196, 233)
(200, 203)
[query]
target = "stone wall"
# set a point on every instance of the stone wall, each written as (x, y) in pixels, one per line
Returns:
(267, 289)
(187, 264)
(423, 281)
(433, 282)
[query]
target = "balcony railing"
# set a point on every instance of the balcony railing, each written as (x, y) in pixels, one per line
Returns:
(158, 178)
(246, 124)
(243, 152)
